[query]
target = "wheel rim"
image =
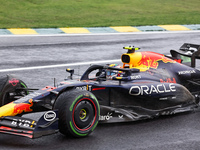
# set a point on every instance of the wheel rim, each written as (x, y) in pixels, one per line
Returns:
(84, 114)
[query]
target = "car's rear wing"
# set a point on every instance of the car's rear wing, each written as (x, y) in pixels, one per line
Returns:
(187, 53)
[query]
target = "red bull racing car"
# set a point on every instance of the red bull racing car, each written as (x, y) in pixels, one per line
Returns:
(146, 85)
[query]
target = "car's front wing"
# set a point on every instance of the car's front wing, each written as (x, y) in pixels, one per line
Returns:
(47, 124)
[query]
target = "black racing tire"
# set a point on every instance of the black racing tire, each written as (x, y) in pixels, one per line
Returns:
(78, 112)
(10, 88)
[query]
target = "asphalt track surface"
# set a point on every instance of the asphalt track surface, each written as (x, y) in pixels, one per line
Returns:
(167, 133)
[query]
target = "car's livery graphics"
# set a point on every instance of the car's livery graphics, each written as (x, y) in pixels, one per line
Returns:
(147, 85)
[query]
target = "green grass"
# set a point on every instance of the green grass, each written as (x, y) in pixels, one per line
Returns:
(96, 13)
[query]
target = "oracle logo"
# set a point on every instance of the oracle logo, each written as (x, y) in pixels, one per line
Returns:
(152, 89)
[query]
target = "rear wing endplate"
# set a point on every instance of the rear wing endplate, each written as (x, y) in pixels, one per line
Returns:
(188, 53)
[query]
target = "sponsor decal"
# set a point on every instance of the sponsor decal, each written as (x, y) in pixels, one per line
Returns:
(82, 88)
(186, 72)
(152, 89)
(150, 59)
(106, 117)
(136, 77)
(14, 81)
(86, 87)
(49, 116)
(23, 123)
(168, 80)
(23, 107)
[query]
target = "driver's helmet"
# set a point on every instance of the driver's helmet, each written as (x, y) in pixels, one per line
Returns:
(113, 73)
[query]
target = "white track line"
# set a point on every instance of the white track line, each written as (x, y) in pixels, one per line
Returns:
(60, 65)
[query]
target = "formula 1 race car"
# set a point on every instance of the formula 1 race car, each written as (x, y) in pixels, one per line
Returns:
(147, 85)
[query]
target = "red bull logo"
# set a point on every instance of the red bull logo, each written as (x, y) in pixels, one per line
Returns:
(13, 109)
(23, 107)
(150, 60)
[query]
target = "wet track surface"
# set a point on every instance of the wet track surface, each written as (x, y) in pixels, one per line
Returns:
(168, 132)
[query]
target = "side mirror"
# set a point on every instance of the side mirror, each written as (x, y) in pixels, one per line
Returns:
(71, 71)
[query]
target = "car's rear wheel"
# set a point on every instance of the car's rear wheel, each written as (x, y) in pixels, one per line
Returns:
(11, 88)
(78, 112)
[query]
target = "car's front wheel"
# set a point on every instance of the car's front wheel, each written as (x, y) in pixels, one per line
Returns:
(78, 112)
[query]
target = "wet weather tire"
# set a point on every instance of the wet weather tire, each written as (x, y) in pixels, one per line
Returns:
(78, 112)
